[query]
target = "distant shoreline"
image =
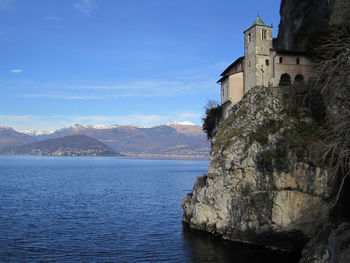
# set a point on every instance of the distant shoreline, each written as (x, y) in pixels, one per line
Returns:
(114, 157)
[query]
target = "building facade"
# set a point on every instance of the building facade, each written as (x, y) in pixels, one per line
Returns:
(262, 65)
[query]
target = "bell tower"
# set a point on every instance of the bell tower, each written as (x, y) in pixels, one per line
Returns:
(257, 49)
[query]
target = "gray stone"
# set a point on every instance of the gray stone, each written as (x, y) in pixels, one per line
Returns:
(277, 206)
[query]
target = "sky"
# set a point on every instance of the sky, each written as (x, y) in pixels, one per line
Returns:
(118, 62)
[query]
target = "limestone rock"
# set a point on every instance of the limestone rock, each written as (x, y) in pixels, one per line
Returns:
(262, 185)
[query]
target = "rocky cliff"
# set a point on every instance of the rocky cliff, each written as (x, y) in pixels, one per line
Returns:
(263, 186)
(300, 19)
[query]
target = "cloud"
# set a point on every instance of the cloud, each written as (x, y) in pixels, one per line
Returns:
(189, 115)
(60, 96)
(85, 6)
(16, 71)
(5, 4)
(135, 89)
(55, 18)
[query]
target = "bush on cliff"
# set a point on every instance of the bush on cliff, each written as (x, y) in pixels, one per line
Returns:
(213, 114)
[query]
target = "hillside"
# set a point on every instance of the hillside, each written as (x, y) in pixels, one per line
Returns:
(164, 141)
(75, 145)
(10, 137)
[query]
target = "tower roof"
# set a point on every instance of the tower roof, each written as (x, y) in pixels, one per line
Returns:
(258, 21)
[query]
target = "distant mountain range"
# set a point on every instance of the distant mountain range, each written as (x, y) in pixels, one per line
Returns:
(74, 145)
(10, 137)
(172, 140)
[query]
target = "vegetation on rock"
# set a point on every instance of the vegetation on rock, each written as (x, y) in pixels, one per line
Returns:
(213, 113)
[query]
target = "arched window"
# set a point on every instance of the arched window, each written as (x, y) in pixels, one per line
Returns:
(263, 34)
(299, 78)
(285, 80)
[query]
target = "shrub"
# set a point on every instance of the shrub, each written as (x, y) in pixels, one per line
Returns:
(213, 114)
(202, 181)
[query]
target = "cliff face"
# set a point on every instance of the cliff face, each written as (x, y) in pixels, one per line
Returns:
(262, 185)
(299, 20)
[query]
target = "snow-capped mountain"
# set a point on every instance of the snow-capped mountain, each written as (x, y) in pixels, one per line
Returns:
(186, 123)
(174, 139)
(3, 125)
(33, 132)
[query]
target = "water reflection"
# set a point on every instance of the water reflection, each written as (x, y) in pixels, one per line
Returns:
(204, 247)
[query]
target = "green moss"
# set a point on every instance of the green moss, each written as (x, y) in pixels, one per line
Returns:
(303, 134)
(294, 138)
(262, 132)
(242, 111)
(225, 139)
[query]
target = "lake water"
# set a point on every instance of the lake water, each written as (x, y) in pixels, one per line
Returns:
(105, 210)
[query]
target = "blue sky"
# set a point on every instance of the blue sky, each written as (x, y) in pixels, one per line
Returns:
(139, 62)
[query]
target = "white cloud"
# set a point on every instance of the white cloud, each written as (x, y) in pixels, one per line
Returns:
(85, 6)
(16, 70)
(137, 89)
(60, 96)
(189, 115)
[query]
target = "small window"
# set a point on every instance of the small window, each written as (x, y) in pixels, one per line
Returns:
(281, 60)
(298, 61)
(249, 37)
(263, 33)
(267, 62)
(248, 63)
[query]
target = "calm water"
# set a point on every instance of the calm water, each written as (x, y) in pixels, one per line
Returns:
(104, 210)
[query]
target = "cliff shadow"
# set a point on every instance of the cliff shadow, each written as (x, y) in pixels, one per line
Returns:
(204, 247)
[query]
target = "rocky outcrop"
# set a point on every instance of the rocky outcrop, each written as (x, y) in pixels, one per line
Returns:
(299, 20)
(340, 12)
(330, 244)
(263, 186)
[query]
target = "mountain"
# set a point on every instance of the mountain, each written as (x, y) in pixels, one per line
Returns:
(34, 132)
(172, 140)
(75, 145)
(183, 140)
(9, 137)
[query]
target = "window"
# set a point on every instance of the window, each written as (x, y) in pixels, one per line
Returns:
(299, 78)
(281, 60)
(249, 37)
(298, 61)
(285, 80)
(267, 62)
(263, 34)
(248, 63)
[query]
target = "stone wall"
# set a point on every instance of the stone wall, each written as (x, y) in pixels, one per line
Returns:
(256, 51)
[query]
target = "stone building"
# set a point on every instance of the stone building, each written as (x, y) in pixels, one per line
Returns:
(262, 65)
